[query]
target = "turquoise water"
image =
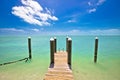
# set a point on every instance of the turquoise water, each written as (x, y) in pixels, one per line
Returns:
(15, 47)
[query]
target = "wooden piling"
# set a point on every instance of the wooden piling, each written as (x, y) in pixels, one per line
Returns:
(69, 45)
(29, 48)
(55, 43)
(96, 50)
(60, 67)
(52, 50)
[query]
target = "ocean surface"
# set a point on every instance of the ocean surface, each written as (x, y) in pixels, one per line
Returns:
(15, 47)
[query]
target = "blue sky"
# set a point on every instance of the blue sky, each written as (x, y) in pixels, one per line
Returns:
(77, 17)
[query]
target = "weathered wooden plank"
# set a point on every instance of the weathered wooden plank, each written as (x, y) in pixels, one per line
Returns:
(61, 69)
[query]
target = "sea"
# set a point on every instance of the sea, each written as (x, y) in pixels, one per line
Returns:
(13, 48)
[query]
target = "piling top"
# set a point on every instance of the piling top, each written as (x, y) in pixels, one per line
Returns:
(96, 37)
(54, 37)
(69, 39)
(51, 39)
(29, 37)
(67, 36)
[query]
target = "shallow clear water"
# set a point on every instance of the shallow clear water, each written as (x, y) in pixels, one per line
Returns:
(15, 47)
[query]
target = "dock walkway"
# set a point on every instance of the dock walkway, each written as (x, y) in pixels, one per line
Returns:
(60, 69)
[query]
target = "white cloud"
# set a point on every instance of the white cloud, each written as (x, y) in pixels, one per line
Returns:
(11, 30)
(94, 4)
(71, 21)
(36, 30)
(100, 2)
(92, 10)
(89, 3)
(32, 12)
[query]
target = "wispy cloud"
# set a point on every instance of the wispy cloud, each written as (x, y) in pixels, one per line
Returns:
(32, 12)
(106, 32)
(70, 32)
(11, 30)
(74, 31)
(71, 21)
(91, 10)
(89, 3)
(100, 2)
(88, 32)
(93, 4)
(35, 30)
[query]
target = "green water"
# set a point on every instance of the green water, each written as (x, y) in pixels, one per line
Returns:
(15, 47)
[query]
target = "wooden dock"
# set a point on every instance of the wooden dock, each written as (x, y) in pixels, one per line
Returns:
(60, 69)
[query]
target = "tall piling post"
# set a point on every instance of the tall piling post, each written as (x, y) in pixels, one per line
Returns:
(69, 48)
(67, 44)
(96, 50)
(52, 50)
(55, 43)
(29, 48)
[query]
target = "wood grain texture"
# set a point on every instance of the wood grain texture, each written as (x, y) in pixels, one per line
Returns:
(60, 70)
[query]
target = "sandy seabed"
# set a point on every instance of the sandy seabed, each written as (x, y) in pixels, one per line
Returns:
(34, 70)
